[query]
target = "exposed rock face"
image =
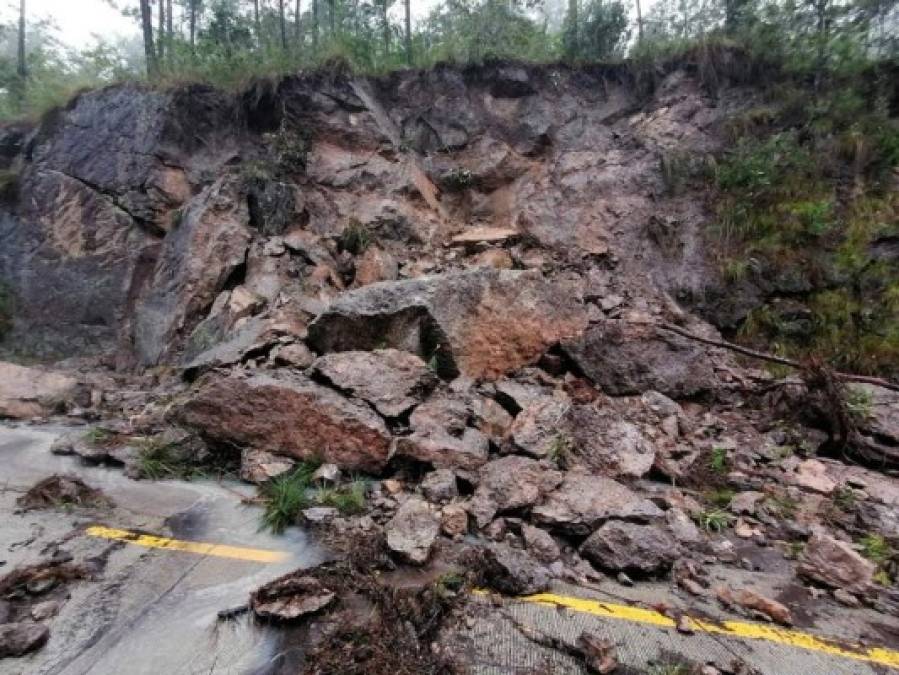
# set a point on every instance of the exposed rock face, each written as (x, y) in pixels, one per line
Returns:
(413, 530)
(195, 262)
(540, 543)
(288, 414)
(627, 547)
(834, 563)
(584, 501)
(390, 380)
(628, 358)
(31, 392)
(879, 427)
(480, 323)
(538, 428)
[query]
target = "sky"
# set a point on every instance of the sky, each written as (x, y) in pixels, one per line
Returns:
(80, 20)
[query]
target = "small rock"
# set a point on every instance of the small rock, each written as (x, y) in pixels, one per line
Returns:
(260, 466)
(684, 625)
(327, 474)
(496, 530)
(392, 486)
(18, 639)
(758, 603)
(44, 610)
(682, 527)
(511, 571)
(291, 597)
(413, 530)
(624, 579)
(745, 503)
(540, 543)
(320, 514)
(746, 530)
(846, 598)
(440, 486)
(812, 475)
(835, 564)
(296, 354)
(454, 520)
(41, 585)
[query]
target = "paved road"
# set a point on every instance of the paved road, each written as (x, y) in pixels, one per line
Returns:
(154, 610)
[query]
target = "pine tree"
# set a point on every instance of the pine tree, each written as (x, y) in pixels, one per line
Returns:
(21, 66)
(146, 20)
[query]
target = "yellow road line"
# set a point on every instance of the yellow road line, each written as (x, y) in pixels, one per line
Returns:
(200, 548)
(736, 629)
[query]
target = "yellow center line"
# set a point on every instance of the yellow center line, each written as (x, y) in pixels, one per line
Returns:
(199, 548)
(737, 629)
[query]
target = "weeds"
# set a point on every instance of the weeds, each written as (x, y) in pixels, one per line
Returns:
(876, 548)
(355, 238)
(718, 461)
(721, 497)
(782, 505)
(97, 437)
(286, 495)
(560, 451)
(457, 180)
(882, 578)
(715, 520)
(859, 403)
(159, 459)
(844, 498)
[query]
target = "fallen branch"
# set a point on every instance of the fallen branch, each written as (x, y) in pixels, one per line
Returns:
(771, 358)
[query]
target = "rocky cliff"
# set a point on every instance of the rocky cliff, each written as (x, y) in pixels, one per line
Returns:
(154, 225)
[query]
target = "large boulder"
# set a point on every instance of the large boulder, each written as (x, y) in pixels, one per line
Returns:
(31, 392)
(511, 483)
(392, 381)
(619, 546)
(512, 571)
(479, 323)
(625, 357)
(878, 423)
(18, 639)
(834, 563)
(285, 413)
(196, 260)
(584, 501)
(413, 530)
(441, 435)
(607, 444)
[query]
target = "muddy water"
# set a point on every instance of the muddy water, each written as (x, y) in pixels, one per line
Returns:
(153, 611)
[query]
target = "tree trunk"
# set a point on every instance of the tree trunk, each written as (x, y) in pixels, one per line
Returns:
(193, 25)
(297, 27)
(332, 16)
(573, 29)
(21, 67)
(282, 20)
(639, 23)
(169, 26)
(146, 19)
(160, 31)
(408, 4)
(385, 28)
(314, 24)
(257, 22)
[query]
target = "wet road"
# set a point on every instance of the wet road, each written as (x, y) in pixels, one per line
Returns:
(154, 610)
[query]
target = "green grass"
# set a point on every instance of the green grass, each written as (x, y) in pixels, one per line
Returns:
(844, 498)
(876, 548)
(859, 403)
(718, 461)
(290, 493)
(348, 499)
(782, 505)
(158, 459)
(669, 669)
(560, 450)
(715, 520)
(97, 436)
(720, 497)
(355, 238)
